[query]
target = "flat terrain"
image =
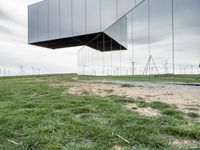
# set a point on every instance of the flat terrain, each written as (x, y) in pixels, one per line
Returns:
(186, 98)
(69, 112)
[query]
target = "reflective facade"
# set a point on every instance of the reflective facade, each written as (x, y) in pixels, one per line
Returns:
(122, 37)
(160, 37)
(56, 21)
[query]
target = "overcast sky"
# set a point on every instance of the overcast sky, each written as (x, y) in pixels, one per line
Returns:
(14, 50)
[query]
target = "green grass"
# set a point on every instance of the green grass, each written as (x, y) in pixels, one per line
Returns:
(127, 85)
(152, 78)
(37, 113)
(193, 115)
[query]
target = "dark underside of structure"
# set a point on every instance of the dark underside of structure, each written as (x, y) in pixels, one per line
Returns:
(99, 41)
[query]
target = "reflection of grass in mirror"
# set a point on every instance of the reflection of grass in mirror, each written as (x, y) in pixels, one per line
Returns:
(152, 78)
(36, 115)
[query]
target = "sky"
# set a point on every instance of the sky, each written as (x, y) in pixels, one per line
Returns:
(16, 54)
(15, 51)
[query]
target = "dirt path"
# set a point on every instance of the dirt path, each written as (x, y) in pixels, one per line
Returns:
(186, 98)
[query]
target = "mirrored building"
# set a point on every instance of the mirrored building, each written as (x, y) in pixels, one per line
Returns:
(66, 23)
(121, 37)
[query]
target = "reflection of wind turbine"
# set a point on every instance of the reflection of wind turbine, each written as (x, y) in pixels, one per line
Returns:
(165, 66)
(199, 66)
(133, 66)
(192, 69)
(147, 67)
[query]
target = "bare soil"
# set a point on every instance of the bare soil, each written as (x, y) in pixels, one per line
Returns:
(186, 98)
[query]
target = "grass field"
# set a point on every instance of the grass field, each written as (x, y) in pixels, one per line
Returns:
(36, 113)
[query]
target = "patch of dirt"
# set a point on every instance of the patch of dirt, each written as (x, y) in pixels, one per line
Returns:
(91, 89)
(36, 95)
(147, 111)
(182, 143)
(75, 79)
(132, 106)
(182, 97)
(65, 84)
(116, 147)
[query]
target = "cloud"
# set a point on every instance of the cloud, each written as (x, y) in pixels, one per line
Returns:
(6, 17)
(3, 15)
(11, 28)
(5, 30)
(15, 51)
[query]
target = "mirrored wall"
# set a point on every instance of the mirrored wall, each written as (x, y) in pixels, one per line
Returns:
(160, 38)
(56, 19)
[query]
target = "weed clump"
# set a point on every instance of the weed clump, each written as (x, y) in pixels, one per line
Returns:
(127, 85)
(193, 115)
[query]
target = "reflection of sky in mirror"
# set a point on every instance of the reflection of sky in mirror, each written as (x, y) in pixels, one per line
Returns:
(187, 38)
